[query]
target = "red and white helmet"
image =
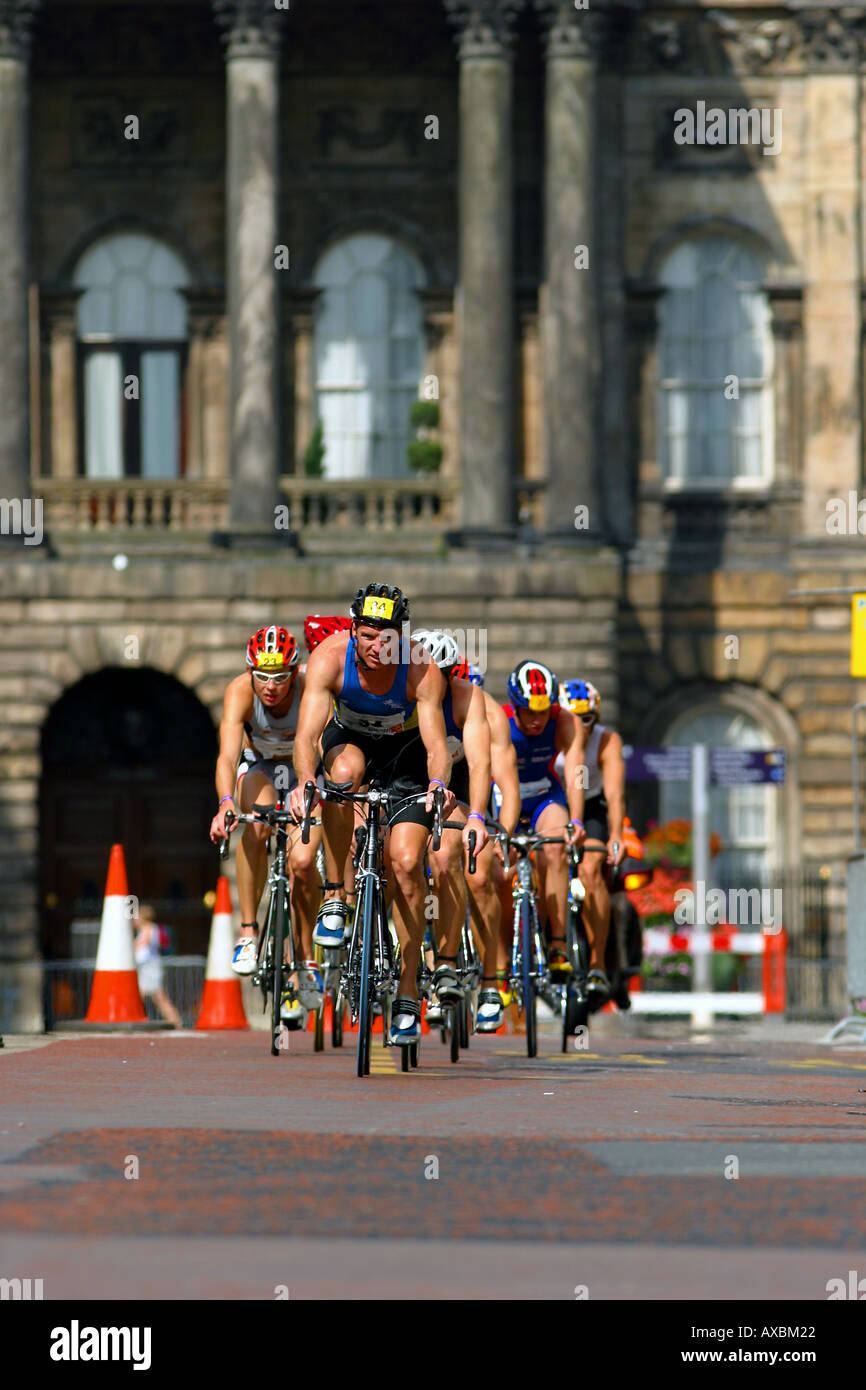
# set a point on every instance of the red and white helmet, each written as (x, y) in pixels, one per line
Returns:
(532, 685)
(272, 649)
(317, 628)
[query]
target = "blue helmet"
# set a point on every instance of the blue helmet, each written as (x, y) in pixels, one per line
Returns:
(581, 698)
(532, 685)
(475, 675)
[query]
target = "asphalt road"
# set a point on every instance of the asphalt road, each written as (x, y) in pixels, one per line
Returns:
(650, 1166)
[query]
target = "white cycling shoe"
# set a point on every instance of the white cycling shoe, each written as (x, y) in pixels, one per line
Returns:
(244, 957)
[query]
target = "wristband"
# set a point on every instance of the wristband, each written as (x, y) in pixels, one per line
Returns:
(229, 797)
(574, 821)
(437, 781)
(476, 815)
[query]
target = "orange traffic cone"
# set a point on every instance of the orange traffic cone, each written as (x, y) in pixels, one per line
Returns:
(221, 1001)
(115, 999)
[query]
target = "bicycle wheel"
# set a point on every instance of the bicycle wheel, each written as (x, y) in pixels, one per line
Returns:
(278, 910)
(404, 1058)
(575, 1015)
(464, 1022)
(528, 981)
(365, 1011)
(453, 1015)
(337, 1007)
(414, 1050)
(319, 1031)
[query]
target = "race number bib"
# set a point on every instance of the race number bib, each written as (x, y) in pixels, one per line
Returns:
(381, 608)
(270, 661)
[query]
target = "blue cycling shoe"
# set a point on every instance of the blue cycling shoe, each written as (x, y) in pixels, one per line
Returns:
(331, 924)
(405, 1022)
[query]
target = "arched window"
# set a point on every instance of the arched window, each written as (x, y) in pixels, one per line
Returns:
(131, 324)
(715, 366)
(745, 817)
(369, 349)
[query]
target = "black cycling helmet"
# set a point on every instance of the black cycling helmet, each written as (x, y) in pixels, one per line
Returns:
(383, 605)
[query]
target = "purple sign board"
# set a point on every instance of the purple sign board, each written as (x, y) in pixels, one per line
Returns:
(729, 767)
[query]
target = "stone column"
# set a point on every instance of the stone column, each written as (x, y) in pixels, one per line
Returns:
(570, 340)
(60, 334)
(485, 308)
(16, 17)
(253, 31)
(205, 317)
(299, 374)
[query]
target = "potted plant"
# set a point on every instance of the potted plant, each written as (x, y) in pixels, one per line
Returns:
(424, 454)
(314, 454)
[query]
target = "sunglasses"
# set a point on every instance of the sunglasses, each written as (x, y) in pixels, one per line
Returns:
(265, 676)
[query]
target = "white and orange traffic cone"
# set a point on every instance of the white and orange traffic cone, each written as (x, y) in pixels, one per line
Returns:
(115, 999)
(221, 1001)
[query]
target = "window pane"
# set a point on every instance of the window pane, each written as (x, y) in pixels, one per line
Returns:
(368, 340)
(103, 415)
(713, 323)
(160, 414)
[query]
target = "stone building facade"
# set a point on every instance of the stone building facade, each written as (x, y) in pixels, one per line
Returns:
(647, 353)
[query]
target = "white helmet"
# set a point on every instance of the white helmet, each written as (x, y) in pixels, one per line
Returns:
(441, 646)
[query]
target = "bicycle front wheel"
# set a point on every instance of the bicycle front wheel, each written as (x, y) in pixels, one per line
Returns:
(319, 1030)
(365, 1010)
(278, 913)
(527, 980)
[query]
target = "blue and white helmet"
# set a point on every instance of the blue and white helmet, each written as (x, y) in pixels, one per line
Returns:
(582, 699)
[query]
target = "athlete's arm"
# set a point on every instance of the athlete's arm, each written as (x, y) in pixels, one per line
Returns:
(429, 693)
(571, 740)
(313, 714)
(237, 707)
(476, 747)
(612, 765)
(503, 764)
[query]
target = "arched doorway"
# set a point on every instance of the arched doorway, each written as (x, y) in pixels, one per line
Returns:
(127, 756)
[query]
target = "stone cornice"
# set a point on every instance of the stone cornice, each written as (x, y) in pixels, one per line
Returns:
(485, 28)
(797, 39)
(16, 22)
(250, 28)
(571, 33)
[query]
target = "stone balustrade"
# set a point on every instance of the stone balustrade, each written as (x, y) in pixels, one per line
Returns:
(319, 509)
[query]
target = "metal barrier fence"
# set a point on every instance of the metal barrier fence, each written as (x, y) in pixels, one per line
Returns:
(66, 986)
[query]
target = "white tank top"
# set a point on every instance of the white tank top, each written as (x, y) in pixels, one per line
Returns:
(270, 736)
(595, 776)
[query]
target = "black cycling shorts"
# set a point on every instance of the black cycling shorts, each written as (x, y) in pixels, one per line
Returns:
(595, 818)
(397, 761)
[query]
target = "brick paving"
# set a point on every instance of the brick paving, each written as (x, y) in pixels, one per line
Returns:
(623, 1148)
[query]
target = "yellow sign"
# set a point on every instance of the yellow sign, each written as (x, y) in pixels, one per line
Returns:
(537, 702)
(858, 634)
(270, 661)
(377, 607)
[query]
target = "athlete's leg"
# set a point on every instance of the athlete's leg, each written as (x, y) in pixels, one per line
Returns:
(254, 788)
(447, 869)
(343, 763)
(596, 904)
(551, 819)
(408, 841)
(305, 887)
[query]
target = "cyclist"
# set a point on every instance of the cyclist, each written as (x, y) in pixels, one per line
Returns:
(468, 734)
(540, 729)
(257, 732)
(377, 717)
(603, 814)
